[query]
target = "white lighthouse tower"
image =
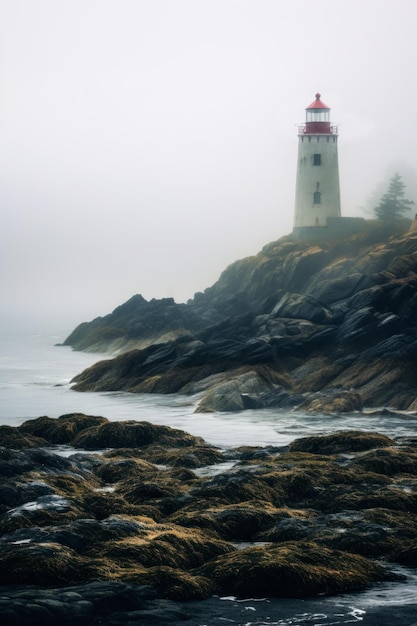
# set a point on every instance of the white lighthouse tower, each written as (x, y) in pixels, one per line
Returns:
(317, 194)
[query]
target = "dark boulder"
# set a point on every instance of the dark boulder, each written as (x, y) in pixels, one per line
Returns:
(407, 555)
(17, 462)
(332, 401)
(280, 398)
(106, 602)
(79, 535)
(300, 306)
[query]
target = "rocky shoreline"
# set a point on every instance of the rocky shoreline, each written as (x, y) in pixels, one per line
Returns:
(123, 522)
(329, 327)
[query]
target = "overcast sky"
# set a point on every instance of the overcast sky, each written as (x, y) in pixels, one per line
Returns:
(147, 144)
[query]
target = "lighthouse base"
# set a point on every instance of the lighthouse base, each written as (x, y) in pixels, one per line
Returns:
(336, 228)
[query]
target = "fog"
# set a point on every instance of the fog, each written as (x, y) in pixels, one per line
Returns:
(147, 144)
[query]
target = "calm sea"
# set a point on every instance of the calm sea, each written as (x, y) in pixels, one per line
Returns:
(35, 377)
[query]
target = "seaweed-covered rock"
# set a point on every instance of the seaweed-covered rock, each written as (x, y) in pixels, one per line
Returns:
(372, 496)
(46, 564)
(296, 570)
(117, 470)
(167, 545)
(407, 555)
(320, 506)
(11, 438)
(94, 433)
(132, 434)
(61, 430)
(233, 522)
(187, 457)
(389, 461)
(241, 485)
(175, 584)
(344, 441)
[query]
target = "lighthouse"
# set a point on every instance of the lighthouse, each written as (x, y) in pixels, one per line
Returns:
(317, 194)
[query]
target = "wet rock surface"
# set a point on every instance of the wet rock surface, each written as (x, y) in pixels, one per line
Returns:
(109, 603)
(110, 537)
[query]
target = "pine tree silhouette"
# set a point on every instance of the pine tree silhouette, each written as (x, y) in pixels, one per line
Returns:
(393, 203)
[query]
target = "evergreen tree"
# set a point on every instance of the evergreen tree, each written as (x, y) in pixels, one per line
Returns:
(393, 203)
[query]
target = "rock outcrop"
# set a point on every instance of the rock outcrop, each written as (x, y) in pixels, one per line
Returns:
(97, 537)
(136, 323)
(327, 327)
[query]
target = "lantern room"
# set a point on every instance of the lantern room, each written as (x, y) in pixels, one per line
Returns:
(318, 119)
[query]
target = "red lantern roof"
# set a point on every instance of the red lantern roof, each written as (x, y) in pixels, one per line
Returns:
(318, 104)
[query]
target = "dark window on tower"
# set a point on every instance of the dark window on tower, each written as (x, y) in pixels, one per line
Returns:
(316, 159)
(317, 197)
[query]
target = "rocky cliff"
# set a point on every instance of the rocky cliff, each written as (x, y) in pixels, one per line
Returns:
(327, 327)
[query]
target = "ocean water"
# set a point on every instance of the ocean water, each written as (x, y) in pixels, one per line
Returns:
(35, 377)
